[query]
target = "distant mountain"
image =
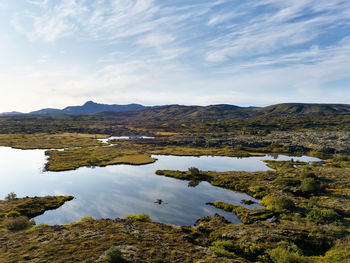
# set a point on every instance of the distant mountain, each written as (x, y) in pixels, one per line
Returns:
(185, 113)
(303, 109)
(11, 113)
(227, 112)
(47, 111)
(90, 107)
(196, 113)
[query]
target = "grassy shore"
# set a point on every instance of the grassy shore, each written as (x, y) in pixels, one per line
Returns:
(50, 141)
(125, 152)
(32, 206)
(121, 153)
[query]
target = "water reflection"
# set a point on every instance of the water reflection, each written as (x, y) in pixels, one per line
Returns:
(120, 190)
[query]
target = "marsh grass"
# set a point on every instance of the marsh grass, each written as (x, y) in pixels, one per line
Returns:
(50, 141)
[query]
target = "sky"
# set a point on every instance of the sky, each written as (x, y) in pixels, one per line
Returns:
(56, 53)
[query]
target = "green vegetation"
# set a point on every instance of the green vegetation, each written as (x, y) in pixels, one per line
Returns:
(89, 242)
(11, 196)
(139, 217)
(308, 204)
(305, 227)
(280, 204)
(246, 215)
(31, 206)
(310, 185)
(287, 253)
(50, 141)
(323, 216)
(114, 255)
(194, 171)
(16, 223)
(12, 214)
(122, 153)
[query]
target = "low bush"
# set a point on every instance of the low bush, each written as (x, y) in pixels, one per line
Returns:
(312, 202)
(223, 249)
(337, 255)
(17, 223)
(310, 185)
(194, 171)
(230, 249)
(114, 255)
(287, 253)
(139, 217)
(278, 204)
(322, 215)
(87, 219)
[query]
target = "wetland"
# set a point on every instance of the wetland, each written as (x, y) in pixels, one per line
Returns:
(121, 190)
(212, 191)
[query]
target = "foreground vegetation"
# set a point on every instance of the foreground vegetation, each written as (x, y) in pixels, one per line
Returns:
(305, 218)
(309, 209)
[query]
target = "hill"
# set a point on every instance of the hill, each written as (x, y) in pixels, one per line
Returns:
(195, 113)
(303, 109)
(228, 112)
(11, 113)
(90, 107)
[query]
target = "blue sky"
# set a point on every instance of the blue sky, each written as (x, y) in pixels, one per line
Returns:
(56, 53)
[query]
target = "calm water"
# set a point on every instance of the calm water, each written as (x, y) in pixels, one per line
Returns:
(120, 190)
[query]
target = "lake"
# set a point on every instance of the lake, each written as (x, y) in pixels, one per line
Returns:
(121, 190)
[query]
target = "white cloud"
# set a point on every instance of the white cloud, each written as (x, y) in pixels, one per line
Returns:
(156, 40)
(187, 52)
(57, 20)
(291, 24)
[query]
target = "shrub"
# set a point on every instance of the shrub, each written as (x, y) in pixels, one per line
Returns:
(11, 196)
(229, 249)
(194, 171)
(287, 253)
(322, 216)
(337, 255)
(312, 201)
(310, 185)
(93, 162)
(308, 174)
(223, 249)
(87, 219)
(250, 250)
(114, 255)
(278, 204)
(17, 223)
(139, 217)
(282, 255)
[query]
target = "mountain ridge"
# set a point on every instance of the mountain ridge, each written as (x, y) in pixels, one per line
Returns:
(176, 112)
(90, 107)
